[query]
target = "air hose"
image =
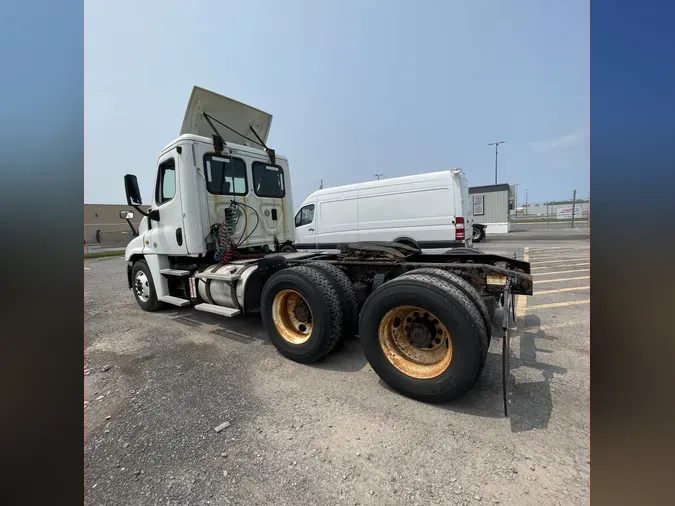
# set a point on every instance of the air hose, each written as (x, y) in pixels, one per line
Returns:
(226, 230)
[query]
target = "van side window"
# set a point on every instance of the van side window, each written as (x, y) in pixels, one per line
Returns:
(268, 180)
(305, 216)
(225, 175)
(166, 182)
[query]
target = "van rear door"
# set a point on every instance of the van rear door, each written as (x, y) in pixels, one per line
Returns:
(463, 203)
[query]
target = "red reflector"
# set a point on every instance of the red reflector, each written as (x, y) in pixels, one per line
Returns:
(459, 228)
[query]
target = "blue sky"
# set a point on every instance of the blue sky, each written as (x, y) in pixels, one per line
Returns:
(355, 88)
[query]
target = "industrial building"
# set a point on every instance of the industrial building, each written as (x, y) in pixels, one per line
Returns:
(103, 226)
(490, 206)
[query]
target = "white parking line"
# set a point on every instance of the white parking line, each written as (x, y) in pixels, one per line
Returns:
(533, 262)
(86, 268)
(561, 279)
(561, 272)
(560, 304)
(573, 289)
(558, 266)
(556, 248)
(556, 325)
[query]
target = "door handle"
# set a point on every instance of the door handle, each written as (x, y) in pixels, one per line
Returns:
(310, 230)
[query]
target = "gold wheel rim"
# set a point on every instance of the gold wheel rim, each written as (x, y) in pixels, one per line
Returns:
(416, 342)
(292, 316)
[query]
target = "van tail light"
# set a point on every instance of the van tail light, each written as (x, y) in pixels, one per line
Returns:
(459, 228)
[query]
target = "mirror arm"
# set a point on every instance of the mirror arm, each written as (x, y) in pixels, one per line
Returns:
(133, 230)
(138, 208)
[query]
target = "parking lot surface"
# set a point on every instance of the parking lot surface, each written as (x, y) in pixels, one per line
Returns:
(157, 384)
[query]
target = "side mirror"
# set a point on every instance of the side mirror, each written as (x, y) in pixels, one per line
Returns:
(127, 215)
(133, 193)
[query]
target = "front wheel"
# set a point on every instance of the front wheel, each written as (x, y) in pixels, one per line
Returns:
(144, 287)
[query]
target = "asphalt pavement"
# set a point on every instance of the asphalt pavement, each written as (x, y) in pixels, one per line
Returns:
(157, 385)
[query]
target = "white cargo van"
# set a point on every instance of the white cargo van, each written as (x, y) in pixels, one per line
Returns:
(427, 211)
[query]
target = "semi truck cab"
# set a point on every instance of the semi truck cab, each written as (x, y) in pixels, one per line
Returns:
(198, 187)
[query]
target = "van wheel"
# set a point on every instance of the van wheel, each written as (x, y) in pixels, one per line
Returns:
(407, 242)
(468, 290)
(288, 248)
(478, 234)
(347, 296)
(144, 287)
(301, 312)
(423, 337)
(464, 251)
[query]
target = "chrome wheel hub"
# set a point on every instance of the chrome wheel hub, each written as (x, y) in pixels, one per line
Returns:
(142, 286)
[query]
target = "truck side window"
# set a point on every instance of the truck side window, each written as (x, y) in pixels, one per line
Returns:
(166, 182)
(305, 216)
(268, 180)
(225, 175)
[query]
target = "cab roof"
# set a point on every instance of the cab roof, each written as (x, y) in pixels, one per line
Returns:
(207, 140)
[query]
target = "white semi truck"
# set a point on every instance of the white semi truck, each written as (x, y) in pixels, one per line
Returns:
(218, 236)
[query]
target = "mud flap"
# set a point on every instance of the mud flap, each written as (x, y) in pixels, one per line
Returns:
(509, 310)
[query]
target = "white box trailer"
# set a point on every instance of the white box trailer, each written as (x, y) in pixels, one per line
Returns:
(425, 211)
(218, 237)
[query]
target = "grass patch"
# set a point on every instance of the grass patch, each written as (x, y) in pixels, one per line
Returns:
(103, 254)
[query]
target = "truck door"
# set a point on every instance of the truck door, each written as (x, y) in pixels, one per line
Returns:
(306, 227)
(166, 235)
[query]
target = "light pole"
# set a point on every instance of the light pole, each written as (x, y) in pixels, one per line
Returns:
(526, 190)
(378, 176)
(496, 145)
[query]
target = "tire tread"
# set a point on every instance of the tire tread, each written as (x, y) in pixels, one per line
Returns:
(329, 294)
(350, 309)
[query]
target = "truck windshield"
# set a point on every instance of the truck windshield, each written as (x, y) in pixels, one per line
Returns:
(268, 180)
(225, 175)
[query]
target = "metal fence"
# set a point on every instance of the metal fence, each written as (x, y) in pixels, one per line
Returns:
(571, 213)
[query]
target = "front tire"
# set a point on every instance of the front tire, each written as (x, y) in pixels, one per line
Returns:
(302, 313)
(423, 337)
(144, 287)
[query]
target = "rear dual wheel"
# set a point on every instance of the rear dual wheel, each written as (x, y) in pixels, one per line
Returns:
(424, 337)
(302, 312)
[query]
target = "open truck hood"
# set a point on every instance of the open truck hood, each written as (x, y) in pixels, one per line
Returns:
(238, 116)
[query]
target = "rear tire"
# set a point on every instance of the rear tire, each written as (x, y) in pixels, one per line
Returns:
(478, 234)
(425, 380)
(469, 291)
(302, 313)
(347, 296)
(288, 248)
(143, 287)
